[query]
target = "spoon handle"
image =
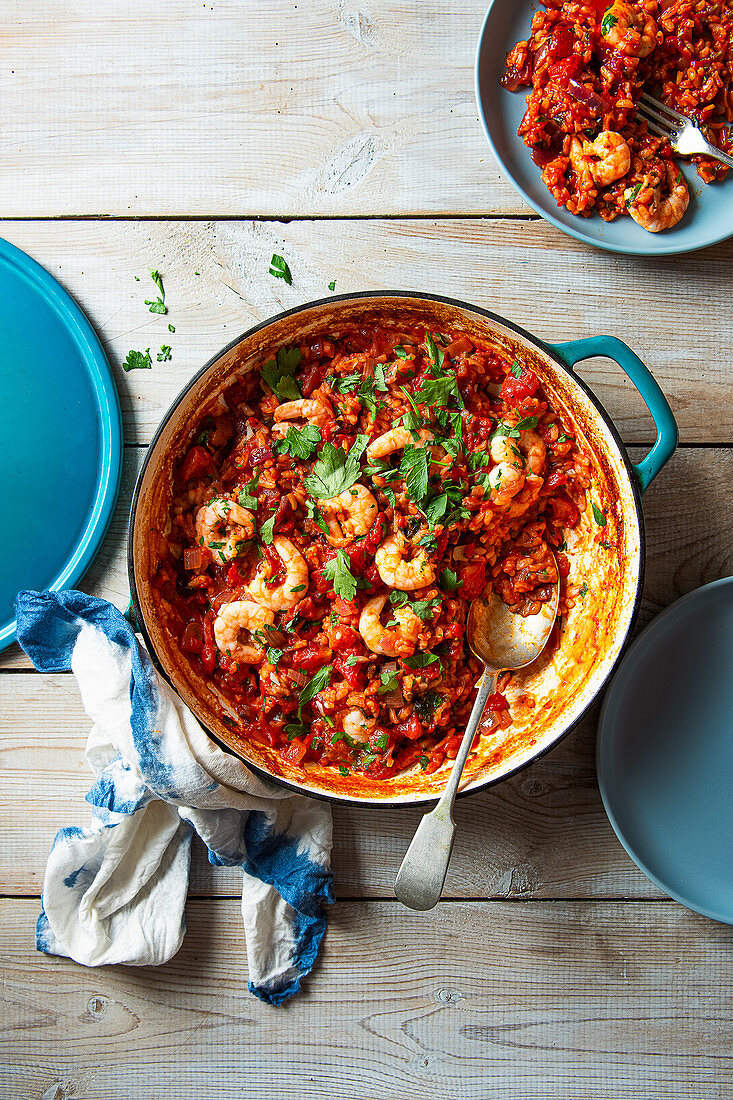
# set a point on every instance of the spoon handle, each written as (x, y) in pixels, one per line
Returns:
(420, 879)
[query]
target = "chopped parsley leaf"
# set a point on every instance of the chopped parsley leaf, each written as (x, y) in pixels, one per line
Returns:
(598, 515)
(313, 513)
(516, 369)
(389, 682)
(317, 682)
(164, 354)
(267, 530)
(279, 269)
(138, 360)
(343, 770)
(278, 374)
(424, 761)
(334, 472)
(414, 468)
(584, 590)
(299, 442)
(293, 730)
(449, 580)
(338, 571)
(421, 660)
(157, 305)
(246, 498)
(382, 741)
(171, 328)
(273, 655)
(332, 285)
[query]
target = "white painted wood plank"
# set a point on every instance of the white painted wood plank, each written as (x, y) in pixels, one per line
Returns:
(480, 1001)
(541, 834)
(217, 285)
(187, 107)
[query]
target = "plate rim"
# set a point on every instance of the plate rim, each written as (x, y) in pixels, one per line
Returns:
(99, 372)
(547, 215)
(604, 735)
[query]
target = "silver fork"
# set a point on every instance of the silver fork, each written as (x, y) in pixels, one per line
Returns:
(681, 132)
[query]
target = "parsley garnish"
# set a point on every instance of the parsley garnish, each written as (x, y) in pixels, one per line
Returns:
(436, 509)
(343, 770)
(278, 374)
(381, 741)
(516, 369)
(332, 285)
(379, 379)
(390, 682)
(273, 655)
(164, 354)
(338, 571)
(246, 499)
(426, 704)
(449, 580)
(317, 682)
(439, 391)
(634, 193)
(293, 730)
(584, 590)
(424, 761)
(346, 383)
(157, 305)
(267, 530)
(138, 360)
(414, 468)
(609, 21)
(421, 660)
(313, 513)
(279, 269)
(335, 471)
(513, 433)
(598, 515)
(437, 355)
(171, 328)
(299, 442)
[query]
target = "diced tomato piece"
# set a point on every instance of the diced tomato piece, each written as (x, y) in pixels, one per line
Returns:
(556, 478)
(345, 608)
(473, 576)
(234, 576)
(411, 729)
(312, 657)
(563, 565)
(353, 674)
(513, 390)
(564, 512)
(208, 652)
(192, 640)
(196, 463)
(295, 751)
(497, 701)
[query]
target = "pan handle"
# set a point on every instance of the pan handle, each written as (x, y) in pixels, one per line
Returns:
(572, 352)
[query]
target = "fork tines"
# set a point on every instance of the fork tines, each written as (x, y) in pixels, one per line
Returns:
(661, 111)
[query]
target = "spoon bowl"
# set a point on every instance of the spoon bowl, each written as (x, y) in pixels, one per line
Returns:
(503, 640)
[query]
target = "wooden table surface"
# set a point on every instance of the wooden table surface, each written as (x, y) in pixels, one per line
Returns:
(199, 138)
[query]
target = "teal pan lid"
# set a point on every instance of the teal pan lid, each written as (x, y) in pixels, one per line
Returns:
(60, 433)
(665, 751)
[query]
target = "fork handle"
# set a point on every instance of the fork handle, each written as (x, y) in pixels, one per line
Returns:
(718, 154)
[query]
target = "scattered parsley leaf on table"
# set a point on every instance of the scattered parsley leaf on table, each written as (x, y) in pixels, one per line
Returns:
(138, 360)
(171, 328)
(279, 269)
(164, 354)
(157, 305)
(332, 285)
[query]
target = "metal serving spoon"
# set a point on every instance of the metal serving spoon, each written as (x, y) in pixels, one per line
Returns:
(503, 641)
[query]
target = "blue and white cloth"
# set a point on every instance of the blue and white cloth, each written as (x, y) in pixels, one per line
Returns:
(115, 892)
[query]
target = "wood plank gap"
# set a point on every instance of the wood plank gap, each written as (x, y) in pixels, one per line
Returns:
(282, 219)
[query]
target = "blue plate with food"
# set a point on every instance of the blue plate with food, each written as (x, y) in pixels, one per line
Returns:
(665, 751)
(61, 431)
(559, 84)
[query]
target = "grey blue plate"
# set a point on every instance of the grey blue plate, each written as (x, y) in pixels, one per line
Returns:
(709, 218)
(665, 751)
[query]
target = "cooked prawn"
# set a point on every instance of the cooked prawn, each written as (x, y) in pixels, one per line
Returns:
(349, 515)
(316, 411)
(281, 597)
(512, 456)
(235, 619)
(650, 210)
(604, 159)
(396, 571)
(356, 725)
(223, 526)
(628, 28)
(398, 641)
(395, 440)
